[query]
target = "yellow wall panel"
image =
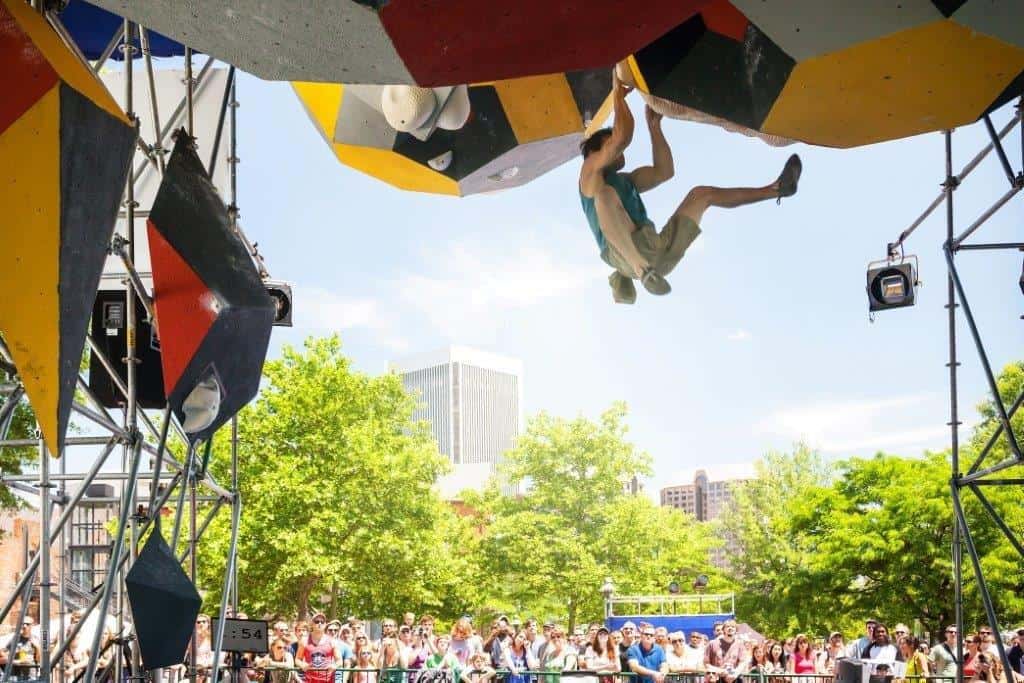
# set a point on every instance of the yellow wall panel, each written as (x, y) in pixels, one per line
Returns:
(323, 103)
(936, 76)
(395, 169)
(539, 107)
(29, 252)
(68, 67)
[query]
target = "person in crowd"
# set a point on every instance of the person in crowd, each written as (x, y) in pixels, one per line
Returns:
(723, 657)
(418, 651)
(23, 649)
(854, 649)
(342, 648)
(983, 669)
(317, 655)
(602, 656)
(390, 660)
(558, 656)
(478, 670)
(988, 641)
(76, 658)
(916, 662)
(278, 664)
(716, 629)
(943, 657)
(802, 661)
(693, 658)
(661, 637)
(442, 657)
(409, 619)
(776, 657)
(628, 640)
(204, 649)
(899, 631)
(462, 640)
(1016, 653)
(517, 657)
(972, 646)
(533, 639)
(825, 661)
(675, 655)
(881, 648)
(301, 632)
(647, 659)
(758, 664)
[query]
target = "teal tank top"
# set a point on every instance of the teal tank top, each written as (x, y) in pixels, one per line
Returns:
(631, 202)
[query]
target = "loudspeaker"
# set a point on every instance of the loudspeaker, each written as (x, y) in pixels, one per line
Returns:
(164, 604)
(109, 329)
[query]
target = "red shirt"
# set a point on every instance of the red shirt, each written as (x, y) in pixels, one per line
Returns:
(322, 656)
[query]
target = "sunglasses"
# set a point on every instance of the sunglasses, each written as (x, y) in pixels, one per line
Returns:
(647, 634)
(985, 633)
(332, 630)
(676, 640)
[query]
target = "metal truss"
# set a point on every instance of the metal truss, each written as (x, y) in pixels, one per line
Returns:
(976, 476)
(130, 429)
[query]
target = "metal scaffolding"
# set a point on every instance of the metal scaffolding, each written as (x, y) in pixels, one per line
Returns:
(199, 496)
(976, 476)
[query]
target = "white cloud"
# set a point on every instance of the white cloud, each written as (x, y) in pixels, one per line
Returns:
(476, 285)
(321, 309)
(881, 423)
(738, 335)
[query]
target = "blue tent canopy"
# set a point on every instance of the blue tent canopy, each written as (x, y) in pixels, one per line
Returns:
(92, 28)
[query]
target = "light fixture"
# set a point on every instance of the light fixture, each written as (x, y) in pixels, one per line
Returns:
(281, 293)
(201, 405)
(892, 283)
(700, 583)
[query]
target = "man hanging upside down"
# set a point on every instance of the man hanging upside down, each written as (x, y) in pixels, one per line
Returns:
(611, 201)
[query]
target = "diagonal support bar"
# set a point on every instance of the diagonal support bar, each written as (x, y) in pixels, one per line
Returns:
(982, 354)
(997, 518)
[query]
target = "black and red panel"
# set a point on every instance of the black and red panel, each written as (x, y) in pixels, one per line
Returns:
(213, 313)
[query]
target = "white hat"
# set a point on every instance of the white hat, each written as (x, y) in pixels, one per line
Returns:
(407, 107)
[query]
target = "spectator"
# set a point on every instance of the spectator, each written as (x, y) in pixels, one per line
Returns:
(802, 661)
(881, 649)
(23, 650)
(988, 642)
(558, 656)
(716, 629)
(342, 648)
(724, 655)
(917, 663)
(301, 633)
(600, 655)
(854, 650)
(983, 669)
(518, 657)
(409, 619)
(776, 657)
(675, 655)
(442, 658)
(418, 651)
(661, 637)
(1016, 653)
(479, 670)
(647, 659)
(462, 640)
(943, 656)
(390, 662)
(317, 655)
(899, 631)
(628, 640)
(76, 658)
(833, 650)
(278, 663)
(694, 657)
(533, 639)
(759, 664)
(973, 644)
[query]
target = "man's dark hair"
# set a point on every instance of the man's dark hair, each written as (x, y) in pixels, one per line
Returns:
(594, 142)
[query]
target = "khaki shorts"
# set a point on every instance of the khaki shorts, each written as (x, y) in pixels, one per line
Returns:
(663, 250)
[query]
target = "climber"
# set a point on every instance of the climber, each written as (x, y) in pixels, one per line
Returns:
(611, 201)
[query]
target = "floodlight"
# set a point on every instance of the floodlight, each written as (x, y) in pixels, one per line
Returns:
(892, 283)
(281, 293)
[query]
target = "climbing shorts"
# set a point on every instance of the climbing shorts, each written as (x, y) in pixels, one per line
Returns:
(663, 250)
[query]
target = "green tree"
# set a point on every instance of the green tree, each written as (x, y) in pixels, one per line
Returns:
(15, 460)
(547, 551)
(338, 499)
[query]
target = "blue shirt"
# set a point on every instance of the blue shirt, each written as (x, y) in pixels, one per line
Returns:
(651, 659)
(631, 202)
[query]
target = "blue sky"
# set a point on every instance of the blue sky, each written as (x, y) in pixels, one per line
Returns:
(765, 339)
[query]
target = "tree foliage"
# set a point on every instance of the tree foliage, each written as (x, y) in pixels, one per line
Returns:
(15, 460)
(336, 484)
(819, 550)
(547, 551)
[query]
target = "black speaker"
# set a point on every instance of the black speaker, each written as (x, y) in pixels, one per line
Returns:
(164, 604)
(109, 328)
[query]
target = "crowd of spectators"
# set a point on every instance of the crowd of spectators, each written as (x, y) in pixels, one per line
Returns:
(410, 651)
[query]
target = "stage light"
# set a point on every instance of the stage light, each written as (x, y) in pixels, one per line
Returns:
(892, 283)
(201, 405)
(281, 293)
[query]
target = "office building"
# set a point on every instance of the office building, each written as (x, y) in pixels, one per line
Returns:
(704, 492)
(473, 401)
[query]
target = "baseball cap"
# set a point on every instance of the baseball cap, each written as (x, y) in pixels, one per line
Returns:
(834, 634)
(318, 615)
(629, 624)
